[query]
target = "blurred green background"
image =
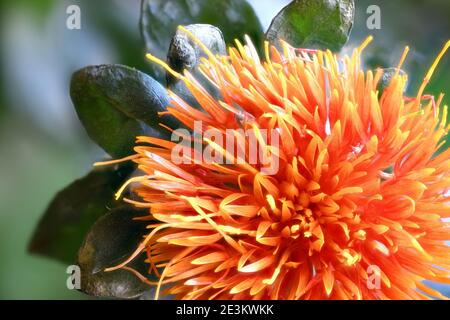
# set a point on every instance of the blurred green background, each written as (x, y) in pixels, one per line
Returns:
(44, 148)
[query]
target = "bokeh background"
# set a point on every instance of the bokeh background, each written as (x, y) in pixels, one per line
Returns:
(42, 144)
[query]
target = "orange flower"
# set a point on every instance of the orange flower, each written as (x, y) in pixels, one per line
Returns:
(359, 191)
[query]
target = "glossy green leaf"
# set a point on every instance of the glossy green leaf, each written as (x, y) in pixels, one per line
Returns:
(74, 210)
(110, 241)
(160, 19)
(317, 24)
(116, 103)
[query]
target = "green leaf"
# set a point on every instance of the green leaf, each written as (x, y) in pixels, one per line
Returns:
(111, 240)
(74, 210)
(116, 103)
(160, 19)
(317, 24)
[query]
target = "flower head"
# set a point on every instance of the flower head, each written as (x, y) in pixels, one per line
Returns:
(359, 190)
